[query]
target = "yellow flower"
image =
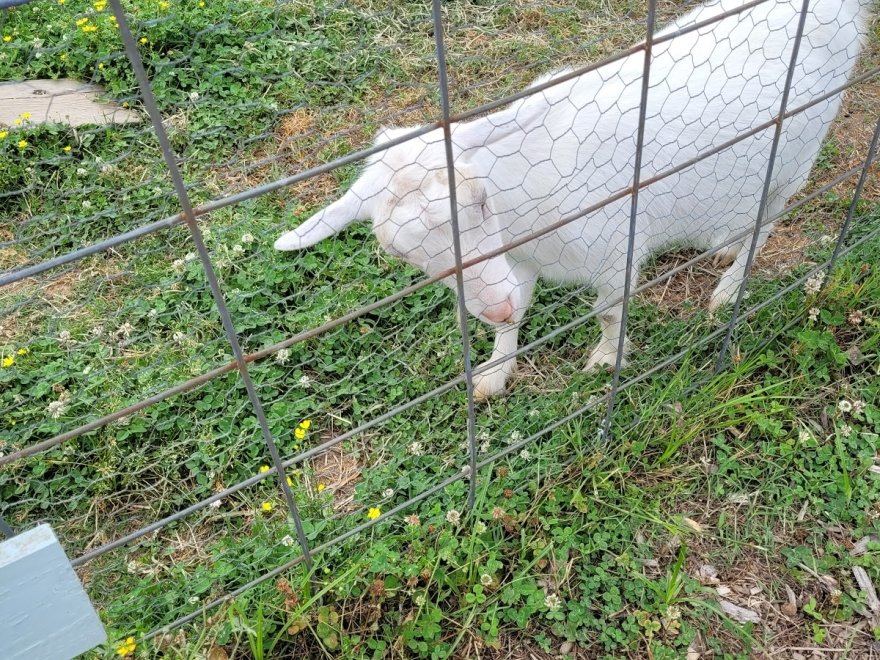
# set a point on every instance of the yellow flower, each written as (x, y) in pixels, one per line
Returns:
(25, 115)
(100, 65)
(290, 482)
(100, 5)
(18, 121)
(90, 28)
(163, 5)
(129, 645)
(22, 144)
(201, 3)
(374, 512)
(4, 135)
(68, 149)
(264, 469)
(63, 56)
(267, 506)
(299, 433)
(7, 38)
(144, 41)
(8, 361)
(22, 351)
(81, 22)
(321, 487)
(60, 2)
(306, 423)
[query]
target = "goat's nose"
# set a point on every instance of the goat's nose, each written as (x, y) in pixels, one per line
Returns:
(499, 312)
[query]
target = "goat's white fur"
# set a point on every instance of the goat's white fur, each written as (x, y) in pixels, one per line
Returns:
(561, 150)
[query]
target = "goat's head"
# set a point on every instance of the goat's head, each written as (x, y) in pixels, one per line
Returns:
(404, 190)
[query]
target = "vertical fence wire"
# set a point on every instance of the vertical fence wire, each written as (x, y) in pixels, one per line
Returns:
(765, 193)
(456, 245)
(633, 218)
(850, 214)
(149, 101)
(5, 529)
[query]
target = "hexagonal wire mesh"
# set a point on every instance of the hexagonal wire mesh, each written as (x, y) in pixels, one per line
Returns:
(157, 355)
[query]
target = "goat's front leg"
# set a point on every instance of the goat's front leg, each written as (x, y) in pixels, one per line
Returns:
(606, 352)
(491, 381)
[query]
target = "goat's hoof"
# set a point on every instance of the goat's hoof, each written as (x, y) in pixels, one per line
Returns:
(489, 385)
(724, 258)
(602, 359)
(720, 298)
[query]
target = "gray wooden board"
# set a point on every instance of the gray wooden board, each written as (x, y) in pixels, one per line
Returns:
(60, 102)
(44, 611)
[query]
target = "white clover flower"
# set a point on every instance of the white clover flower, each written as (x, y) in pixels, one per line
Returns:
(388, 493)
(525, 455)
(813, 314)
(86, 204)
(844, 406)
(193, 96)
(178, 265)
(109, 169)
(81, 171)
(125, 330)
(193, 600)
(453, 517)
(178, 337)
(479, 527)
(420, 600)
(485, 579)
(190, 256)
(483, 436)
(858, 407)
(247, 238)
(56, 409)
(856, 317)
(216, 504)
(814, 284)
(515, 436)
(552, 602)
(846, 430)
(304, 381)
(804, 436)
(64, 337)
(485, 447)
(287, 541)
(282, 356)
(237, 249)
(416, 449)
(534, 412)
(153, 313)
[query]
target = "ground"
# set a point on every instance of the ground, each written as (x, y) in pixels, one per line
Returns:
(755, 487)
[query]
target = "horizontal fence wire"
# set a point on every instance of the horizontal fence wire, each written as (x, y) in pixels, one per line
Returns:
(314, 332)
(510, 449)
(200, 210)
(226, 323)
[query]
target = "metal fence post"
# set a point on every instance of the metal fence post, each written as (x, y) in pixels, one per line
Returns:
(850, 214)
(633, 218)
(456, 244)
(765, 194)
(155, 116)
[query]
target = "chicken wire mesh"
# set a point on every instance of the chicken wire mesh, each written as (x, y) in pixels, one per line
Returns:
(129, 418)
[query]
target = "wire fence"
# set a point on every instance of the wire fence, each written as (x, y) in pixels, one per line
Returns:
(178, 398)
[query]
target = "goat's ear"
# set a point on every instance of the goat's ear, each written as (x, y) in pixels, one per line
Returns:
(323, 224)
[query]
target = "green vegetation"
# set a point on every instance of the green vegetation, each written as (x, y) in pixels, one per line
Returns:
(759, 478)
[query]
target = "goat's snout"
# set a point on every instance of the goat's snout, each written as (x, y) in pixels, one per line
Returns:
(499, 312)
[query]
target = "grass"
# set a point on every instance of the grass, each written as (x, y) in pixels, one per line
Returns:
(749, 483)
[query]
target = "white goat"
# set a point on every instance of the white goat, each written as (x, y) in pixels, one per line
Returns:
(559, 151)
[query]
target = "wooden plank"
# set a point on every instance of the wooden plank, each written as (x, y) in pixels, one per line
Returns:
(61, 101)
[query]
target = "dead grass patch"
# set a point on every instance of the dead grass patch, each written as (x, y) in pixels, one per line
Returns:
(339, 471)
